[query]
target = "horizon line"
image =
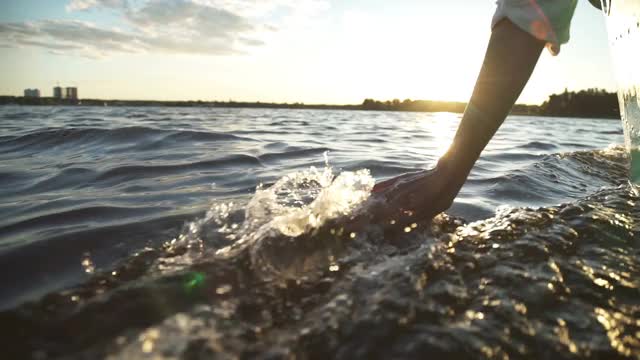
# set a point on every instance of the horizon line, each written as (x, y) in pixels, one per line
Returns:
(302, 102)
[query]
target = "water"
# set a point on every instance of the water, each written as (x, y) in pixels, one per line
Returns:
(200, 233)
(623, 27)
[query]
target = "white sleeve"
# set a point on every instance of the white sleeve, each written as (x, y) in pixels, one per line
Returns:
(547, 20)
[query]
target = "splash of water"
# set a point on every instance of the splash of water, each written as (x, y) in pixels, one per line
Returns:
(303, 201)
(297, 203)
(282, 217)
(294, 234)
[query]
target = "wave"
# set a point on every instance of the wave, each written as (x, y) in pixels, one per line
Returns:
(552, 179)
(293, 153)
(66, 218)
(122, 173)
(450, 288)
(538, 145)
(151, 138)
(158, 239)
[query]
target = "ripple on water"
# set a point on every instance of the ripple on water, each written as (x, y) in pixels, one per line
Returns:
(288, 272)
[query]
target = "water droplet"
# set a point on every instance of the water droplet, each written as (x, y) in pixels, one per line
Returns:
(223, 289)
(147, 346)
(87, 264)
(521, 308)
(473, 315)
(604, 283)
(148, 338)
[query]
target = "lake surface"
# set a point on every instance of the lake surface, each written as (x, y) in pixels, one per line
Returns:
(200, 233)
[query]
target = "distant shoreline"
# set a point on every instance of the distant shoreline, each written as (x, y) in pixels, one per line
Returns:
(590, 103)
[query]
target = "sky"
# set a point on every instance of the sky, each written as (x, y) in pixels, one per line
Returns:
(310, 51)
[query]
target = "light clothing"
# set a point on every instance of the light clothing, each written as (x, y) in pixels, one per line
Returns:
(547, 20)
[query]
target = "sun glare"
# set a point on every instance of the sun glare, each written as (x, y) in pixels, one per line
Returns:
(441, 126)
(407, 59)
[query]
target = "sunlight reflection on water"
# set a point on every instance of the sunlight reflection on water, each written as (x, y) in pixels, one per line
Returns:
(99, 200)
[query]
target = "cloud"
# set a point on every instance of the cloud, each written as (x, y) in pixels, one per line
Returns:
(188, 19)
(76, 5)
(91, 41)
(208, 27)
(65, 35)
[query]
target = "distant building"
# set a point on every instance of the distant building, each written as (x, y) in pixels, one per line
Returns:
(57, 92)
(71, 93)
(32, 93)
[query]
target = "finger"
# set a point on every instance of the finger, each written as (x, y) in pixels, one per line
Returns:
(383, 185)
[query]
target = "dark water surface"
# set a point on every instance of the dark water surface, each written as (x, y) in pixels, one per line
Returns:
(139, 233)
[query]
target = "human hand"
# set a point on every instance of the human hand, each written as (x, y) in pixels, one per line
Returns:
(418, 196)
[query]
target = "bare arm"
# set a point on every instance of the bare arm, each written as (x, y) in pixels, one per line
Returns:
(511, 57)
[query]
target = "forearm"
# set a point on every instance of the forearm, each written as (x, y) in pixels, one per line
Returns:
(510, 59)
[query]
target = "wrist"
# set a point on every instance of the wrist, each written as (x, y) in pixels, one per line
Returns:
(457, 162)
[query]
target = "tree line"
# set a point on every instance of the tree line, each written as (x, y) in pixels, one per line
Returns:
(435, 106)
(596, 103)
